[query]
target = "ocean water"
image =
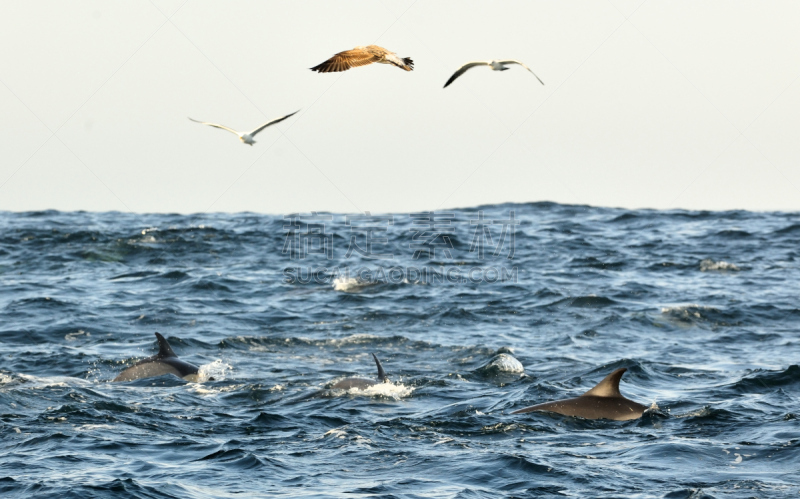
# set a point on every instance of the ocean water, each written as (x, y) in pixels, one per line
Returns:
(474, 313)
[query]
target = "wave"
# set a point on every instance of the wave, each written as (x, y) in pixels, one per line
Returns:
(763, 381)
(363, 340)
(598, 289)
(791, 229)
(593, 263)
(588, 301)
(134, 275)
(733, 234)
(693, 313)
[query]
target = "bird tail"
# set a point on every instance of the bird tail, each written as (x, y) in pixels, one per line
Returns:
(409, 64)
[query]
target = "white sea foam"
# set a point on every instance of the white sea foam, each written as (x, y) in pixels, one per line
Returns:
(335, 433)
(90, 427)
(216, 370)
(697, 413)
(350, 284)
(688, 311)
(144, 238)
(353, 339)
(52, 381)
(709, 265)
(203, 390)
(506, 363)
(74, 336)
(654, 409)
(389, 390)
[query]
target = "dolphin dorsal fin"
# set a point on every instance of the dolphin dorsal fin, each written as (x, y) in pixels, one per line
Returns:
(381, 373)
(164, 350)
(609, 387)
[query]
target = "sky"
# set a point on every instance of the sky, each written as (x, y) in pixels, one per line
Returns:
(646, 104)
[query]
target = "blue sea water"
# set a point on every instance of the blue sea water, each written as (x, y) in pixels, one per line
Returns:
(701, 307)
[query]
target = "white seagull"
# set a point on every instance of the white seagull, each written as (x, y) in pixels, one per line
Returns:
(247, 137)
(495, 65)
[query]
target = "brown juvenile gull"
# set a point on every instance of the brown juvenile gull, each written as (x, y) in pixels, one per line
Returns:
(361, 56)
(495, 65)
(247, 137)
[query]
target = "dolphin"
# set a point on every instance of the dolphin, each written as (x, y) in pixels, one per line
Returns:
(604, 401)
(164, 362)
(362, 383)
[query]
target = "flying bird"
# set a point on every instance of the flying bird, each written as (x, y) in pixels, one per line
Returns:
(495, 65)
(247, 137)
(361, 56)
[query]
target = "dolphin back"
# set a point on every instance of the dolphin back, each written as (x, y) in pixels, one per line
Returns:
(147, 370)
(592, 407)
(164, 362)
(351, 383)
(603, 401)
(164, 350)
(381, 373)
(362, 383)
(609, 387)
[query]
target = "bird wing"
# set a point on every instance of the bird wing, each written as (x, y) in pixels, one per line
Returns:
(265, 125)
(346, 60)
(463, 69)
(512, 61)
(216, 126)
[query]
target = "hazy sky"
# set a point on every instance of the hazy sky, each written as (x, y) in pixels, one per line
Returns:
(655, 103)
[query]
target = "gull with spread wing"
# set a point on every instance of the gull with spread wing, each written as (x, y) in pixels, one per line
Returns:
(495, 65)
(246, 137)
(361, 56)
